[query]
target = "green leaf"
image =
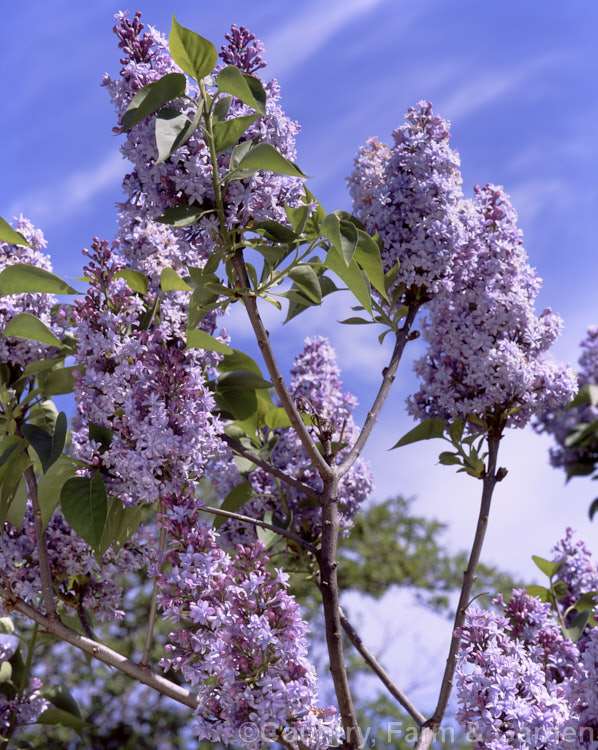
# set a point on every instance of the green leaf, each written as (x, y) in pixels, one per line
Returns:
(136, 281)
(21, 278)
(343, 236)
(593, 508)
(121, 524)
(10, 235)
(238, 360)
(5, 672)
(18, 505)
(85, 507)
(61, 718)
(297, 217)
(446, 458)
(277, 418)
(428, 429)
(150, 98)
(242, 379)
(11, 474)
(275, 232)
(101, 435)
(6, 626)
(181, 215)
(577, 626)
(27, 326)
(50, 486)
(546, 566)
(588, 394)
(221, 108)
(306, 279)
(228, 132)
(197, 339)
(266, 536)
(170, 281)
(60, 381)
(61, 698)
(41, 442)
(356, 322)
(586, 601)
(456, 431)
(191, 52)
(367, 255)
(172, 129)
(542, 593)
(352, 276)
(238, 403)
(199, 306)
(247, 88)
(560, 589)
(235, 499)
(265, 156)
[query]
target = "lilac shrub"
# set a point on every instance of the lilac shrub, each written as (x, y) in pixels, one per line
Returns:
(487, 348)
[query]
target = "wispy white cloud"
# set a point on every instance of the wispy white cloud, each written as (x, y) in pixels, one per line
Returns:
(56, 202)
(310, 29)
(491, 85)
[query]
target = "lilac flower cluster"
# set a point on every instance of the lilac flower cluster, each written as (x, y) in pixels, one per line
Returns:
(578, 569)
(520, 682)
(560, 423)
(22, 351)
(486, 346)
(187, 176)
(410, 195)
(318, 390)
(79, 579)
(141, 385)
(241, 640)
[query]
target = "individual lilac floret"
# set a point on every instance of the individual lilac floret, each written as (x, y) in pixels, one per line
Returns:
(486, 346)
(318, 390)
(22, 351)
(410, 195)
(514, 675)
(186, 177)
(142, 386)
(240, 638)
(575, 459)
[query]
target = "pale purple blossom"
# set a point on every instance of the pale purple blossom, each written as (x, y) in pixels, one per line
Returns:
(410, 195)
(487, 348)
(240, 639)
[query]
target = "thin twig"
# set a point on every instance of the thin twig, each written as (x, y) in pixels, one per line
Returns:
(330, 600)
(379, 670)
(151, 622)
(263, 340)
(490, 480)
(387, 381)
(104, 654)
(291, 481)
(263, 524)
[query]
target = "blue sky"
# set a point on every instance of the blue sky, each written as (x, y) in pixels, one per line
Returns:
(516, 79)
